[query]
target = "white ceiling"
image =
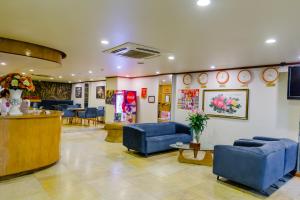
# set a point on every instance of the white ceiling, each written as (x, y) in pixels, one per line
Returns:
(228, 33)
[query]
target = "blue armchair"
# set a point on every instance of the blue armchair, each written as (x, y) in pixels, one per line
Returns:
(154, 137)
(100, 113)
(89, 114)
(257, 165)
(69, 115)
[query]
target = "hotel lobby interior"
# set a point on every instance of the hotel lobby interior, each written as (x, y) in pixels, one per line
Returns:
(149, 100)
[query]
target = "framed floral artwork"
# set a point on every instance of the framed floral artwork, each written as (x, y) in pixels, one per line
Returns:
(231, 103)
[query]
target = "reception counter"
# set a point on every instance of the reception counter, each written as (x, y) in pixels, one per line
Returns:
(29, 142)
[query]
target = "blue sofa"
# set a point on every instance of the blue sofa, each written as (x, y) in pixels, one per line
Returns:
(52, 104)
(257, 163)
(149, 138)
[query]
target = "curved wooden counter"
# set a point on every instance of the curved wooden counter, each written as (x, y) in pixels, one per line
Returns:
(29, 142)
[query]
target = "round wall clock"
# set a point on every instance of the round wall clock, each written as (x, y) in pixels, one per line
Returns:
(270, 74)
(244, 76)
(203, 78)
(187, 79)
(222, 77)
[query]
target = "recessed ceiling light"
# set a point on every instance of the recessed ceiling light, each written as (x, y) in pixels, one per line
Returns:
(59, 76)
(90, 71)
(164, 80)
(51, 78)
(79, 80)
(23, 73)
(91, 79)
(203, 2)
(271, 41)
(3, 63)
(105, 42)
(69, 81)
(171, 57)
(119, 67)
(27, 52)
(212, 67)
(31, 70)
(72, 74)
(157, 72)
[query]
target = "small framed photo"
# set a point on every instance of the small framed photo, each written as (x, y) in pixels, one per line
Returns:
(151, 99)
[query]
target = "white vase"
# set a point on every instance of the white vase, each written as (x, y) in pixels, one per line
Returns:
(196, 137)
(15, 101)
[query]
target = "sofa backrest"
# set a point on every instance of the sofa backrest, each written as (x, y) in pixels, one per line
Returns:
(157, 129)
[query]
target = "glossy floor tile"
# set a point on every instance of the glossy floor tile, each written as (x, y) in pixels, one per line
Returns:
(92, 169)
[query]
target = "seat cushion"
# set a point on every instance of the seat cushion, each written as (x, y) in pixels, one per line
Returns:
(163, 142)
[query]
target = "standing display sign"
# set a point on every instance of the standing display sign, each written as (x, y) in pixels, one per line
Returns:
(126, 106)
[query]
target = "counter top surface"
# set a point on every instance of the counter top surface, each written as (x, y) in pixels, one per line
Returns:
(33, 114)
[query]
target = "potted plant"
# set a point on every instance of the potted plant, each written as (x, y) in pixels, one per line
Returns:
(197, 122)
(16, 83)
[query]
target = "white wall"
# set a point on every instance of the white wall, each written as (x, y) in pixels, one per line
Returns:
(93, 102)
(146, 112)
(270, 113)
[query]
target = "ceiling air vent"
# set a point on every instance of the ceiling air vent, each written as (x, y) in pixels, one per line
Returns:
(132, 50)
(41, 75)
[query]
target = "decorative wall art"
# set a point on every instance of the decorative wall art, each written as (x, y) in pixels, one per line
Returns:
(100, 92)
(270, 75)
(231, 103)
(78, 92)
(144, 93)
(188, 99)
(151, 99)
(110, 97)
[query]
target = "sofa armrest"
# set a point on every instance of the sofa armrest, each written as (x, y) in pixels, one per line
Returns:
(181, 128)
(134, 138)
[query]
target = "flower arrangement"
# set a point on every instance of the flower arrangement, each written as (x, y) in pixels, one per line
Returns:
(222, 104)
(17, 81)
(197, 121)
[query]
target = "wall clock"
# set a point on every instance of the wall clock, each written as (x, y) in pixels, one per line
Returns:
(244, 76)
(203, 78)
(270, 75)
(222, 77)
(187, 79)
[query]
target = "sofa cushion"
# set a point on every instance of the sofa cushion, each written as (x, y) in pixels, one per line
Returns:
(157, 129)
(163, 142)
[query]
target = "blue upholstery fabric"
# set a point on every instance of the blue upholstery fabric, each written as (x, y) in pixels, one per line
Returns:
(74, 106)
(154, 137)
(257, 167)
(68, 113)
(291, 151)
(88, 113)
(157, 129)
(100, 111)
(48, 104)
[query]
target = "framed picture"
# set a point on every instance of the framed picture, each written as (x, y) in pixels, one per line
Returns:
(151, 99)
(100, 92)
(231, 103)
(110, 97)
(188, 99)
(78, 92)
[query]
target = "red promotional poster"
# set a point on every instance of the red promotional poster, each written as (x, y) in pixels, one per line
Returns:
(144, 93)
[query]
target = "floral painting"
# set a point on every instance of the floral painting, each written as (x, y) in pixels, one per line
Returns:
(226, 103)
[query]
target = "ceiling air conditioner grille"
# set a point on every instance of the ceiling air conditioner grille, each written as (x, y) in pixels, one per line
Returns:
(132, 50)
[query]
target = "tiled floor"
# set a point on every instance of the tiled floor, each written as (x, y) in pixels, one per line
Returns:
(91, 169)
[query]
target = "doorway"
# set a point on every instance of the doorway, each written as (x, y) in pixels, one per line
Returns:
(165, 98)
